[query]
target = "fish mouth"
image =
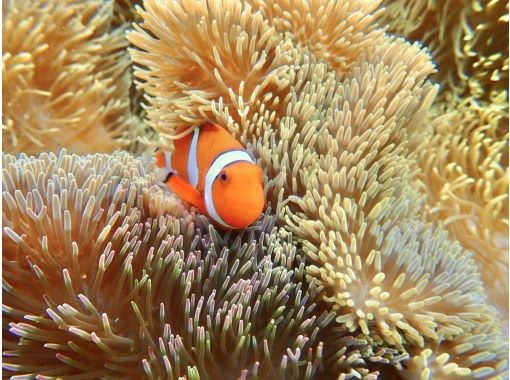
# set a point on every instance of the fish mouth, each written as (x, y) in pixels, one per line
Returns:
(244, 219)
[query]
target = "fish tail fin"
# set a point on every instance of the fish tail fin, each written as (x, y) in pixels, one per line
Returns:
(160, 158)
(163, 159)
(185, 191)
(164, 162)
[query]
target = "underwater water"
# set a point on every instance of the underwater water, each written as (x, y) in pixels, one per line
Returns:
(269, 189)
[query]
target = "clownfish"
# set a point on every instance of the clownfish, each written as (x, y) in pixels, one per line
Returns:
(211, 170)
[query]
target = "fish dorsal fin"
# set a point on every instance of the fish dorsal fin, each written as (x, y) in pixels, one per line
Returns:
(210, 126)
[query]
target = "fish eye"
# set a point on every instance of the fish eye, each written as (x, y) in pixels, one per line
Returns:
(223, 177)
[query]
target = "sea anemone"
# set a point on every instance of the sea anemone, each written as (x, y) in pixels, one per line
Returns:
(190, 77)
(479, 354)
(468, 39)
(467, 185)
(104, 275)
(336, 32)
(464, 162)
(65, 78)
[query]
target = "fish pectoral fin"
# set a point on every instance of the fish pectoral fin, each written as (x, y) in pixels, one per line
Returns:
(185, 191)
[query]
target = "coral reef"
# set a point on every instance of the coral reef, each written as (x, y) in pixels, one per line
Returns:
(386, 179)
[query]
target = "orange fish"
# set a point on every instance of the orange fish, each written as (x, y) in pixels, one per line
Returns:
(211, 170)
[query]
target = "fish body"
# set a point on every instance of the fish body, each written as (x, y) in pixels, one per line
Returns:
(210, 169)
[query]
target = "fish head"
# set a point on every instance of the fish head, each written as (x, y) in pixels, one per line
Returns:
(238, 194)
